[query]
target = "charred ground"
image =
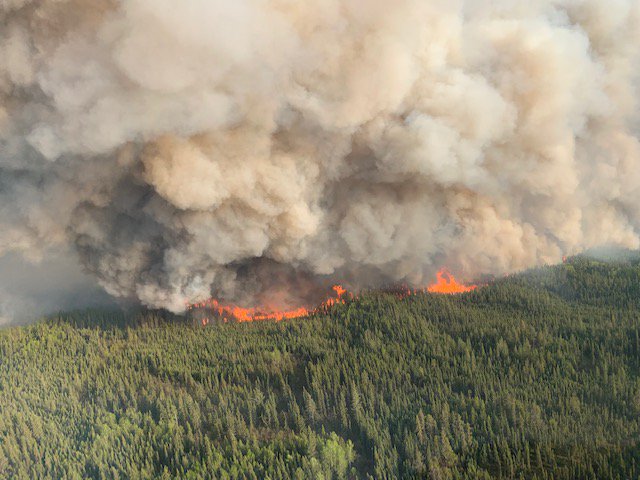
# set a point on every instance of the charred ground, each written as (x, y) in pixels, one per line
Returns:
(534, 376)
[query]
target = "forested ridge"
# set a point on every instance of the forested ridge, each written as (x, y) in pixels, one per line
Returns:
(533, 376)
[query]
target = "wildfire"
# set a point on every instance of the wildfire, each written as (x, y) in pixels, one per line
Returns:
(447, 284)
(241, 314)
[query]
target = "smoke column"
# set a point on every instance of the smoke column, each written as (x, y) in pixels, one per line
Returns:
(236, 148)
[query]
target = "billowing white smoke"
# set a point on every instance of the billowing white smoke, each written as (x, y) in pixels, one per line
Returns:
(214, 147)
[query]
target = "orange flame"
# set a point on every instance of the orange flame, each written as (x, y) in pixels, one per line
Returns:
(447, 284)
(241, 314)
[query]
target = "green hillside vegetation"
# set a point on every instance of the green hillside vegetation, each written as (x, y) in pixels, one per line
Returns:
(536, 376)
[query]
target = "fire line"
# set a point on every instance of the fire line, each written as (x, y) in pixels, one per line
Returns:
(445, 284)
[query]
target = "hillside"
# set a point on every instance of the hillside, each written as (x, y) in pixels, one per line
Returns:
(534, 376)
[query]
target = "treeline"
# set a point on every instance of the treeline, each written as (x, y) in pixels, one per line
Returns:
(536, 376)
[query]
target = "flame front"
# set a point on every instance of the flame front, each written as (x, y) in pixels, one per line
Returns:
(242, 314)
(447, 284)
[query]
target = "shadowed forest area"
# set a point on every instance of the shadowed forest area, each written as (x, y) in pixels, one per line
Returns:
(536, 376)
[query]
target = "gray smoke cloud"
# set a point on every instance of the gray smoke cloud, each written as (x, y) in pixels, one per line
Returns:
(234, 148)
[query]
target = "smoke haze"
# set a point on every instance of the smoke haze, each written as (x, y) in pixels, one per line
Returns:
(234, 148)
(56, 283)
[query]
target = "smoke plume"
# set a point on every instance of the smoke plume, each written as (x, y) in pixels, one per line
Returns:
(234, 148)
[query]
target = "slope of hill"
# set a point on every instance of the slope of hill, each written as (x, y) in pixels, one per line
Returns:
(534, 376)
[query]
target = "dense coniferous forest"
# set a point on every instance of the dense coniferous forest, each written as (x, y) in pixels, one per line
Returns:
(535, 376)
